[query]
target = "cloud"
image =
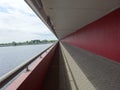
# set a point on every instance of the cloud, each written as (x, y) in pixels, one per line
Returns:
(17, 19)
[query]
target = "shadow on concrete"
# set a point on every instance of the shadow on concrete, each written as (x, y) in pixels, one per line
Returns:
(56, 78)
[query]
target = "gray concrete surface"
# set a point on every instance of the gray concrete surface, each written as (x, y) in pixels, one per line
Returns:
(57, 78)
(77, 78)
(90, 71)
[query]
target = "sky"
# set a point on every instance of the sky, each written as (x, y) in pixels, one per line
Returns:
(19, 23)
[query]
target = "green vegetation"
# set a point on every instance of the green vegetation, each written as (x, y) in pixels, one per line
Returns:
(32, 42)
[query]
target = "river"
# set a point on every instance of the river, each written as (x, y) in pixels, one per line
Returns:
(11, 57)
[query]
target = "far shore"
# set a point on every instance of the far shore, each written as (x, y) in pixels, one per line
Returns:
(32, 42)
(22, 45)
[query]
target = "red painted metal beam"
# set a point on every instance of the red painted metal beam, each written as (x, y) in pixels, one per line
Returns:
(101, 37)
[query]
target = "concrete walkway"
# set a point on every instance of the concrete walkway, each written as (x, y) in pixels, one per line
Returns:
(92, 72)
(57, 78)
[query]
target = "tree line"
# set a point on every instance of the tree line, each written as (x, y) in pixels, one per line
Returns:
(32, 42)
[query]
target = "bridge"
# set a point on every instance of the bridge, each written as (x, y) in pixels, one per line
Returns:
(87, 54)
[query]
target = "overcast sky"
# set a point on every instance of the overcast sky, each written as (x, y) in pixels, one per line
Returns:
(19, 23)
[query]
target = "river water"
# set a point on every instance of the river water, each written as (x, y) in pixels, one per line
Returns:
(11, 57)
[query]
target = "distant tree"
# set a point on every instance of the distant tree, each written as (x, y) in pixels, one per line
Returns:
(44, 41)
(27, 42)
(14, 43)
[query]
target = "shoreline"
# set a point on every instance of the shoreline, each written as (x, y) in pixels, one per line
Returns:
(23, 45)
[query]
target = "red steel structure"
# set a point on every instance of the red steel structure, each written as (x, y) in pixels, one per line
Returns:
(101, 37)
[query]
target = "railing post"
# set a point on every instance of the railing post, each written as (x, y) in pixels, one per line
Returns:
(27, 69)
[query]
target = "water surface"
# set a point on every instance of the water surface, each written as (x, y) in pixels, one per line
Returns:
(11, 57)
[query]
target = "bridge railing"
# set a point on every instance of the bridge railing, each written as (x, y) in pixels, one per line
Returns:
(13, 73)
